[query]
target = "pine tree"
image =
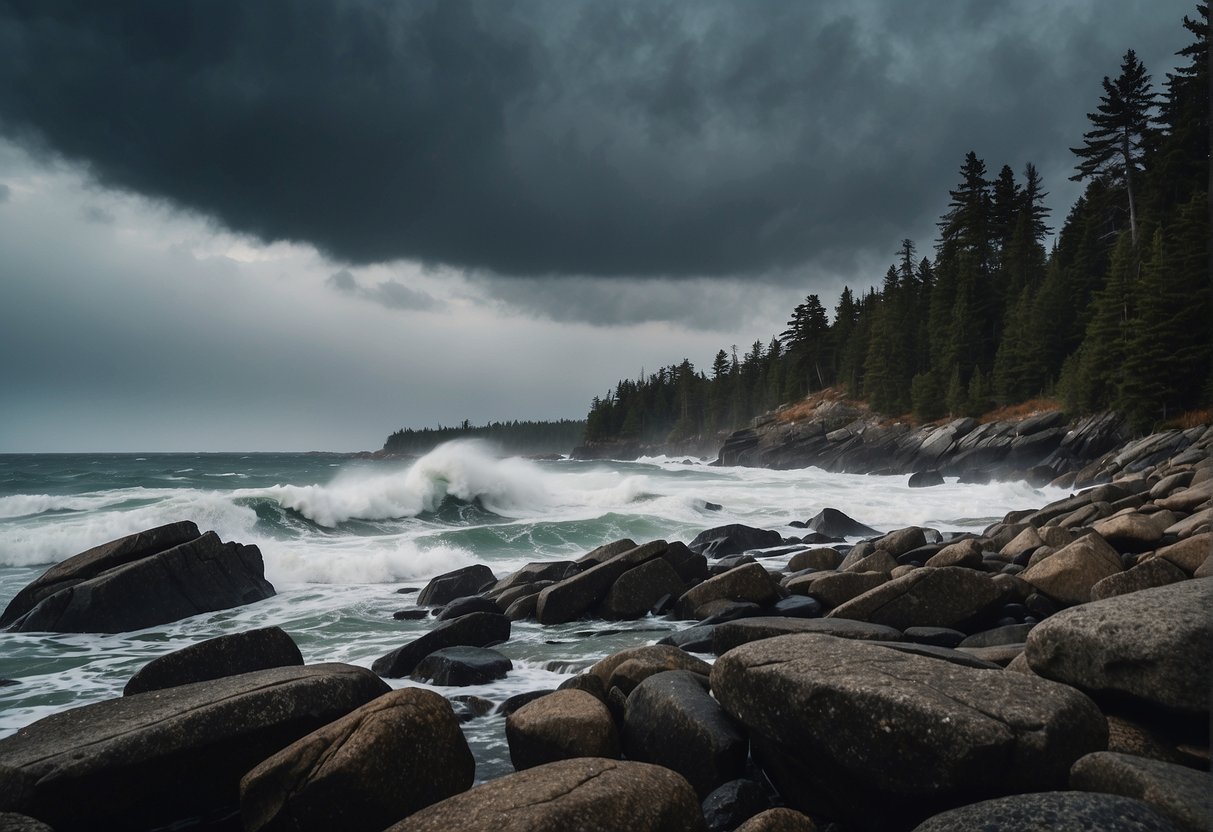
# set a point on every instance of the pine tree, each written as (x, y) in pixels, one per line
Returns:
(1122, 125)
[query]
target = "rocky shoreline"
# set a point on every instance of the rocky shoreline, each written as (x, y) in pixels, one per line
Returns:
(1053, 672)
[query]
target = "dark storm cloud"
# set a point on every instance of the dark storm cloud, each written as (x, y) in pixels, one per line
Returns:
(389, 293)
(559, 138)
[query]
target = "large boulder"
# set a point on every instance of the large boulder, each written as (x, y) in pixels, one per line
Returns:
(155, 759)
(442, 589)
(395, 755)
(1181, 794)
(673, 721)
(1068, 574)
(576, 595)
(132, 583)
(586, 793)
(1051, 812)
(215, 658)
(733, 540)
(835, 712)
(635, 592)
(560, 726)
(750, 582)
(458, 666)
(93, 562)
(1154, 646)
(925, 597)
(778, 820)
(834, 523)
(477, 629)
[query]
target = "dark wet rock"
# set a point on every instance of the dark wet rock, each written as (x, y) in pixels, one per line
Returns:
(798, 606)
(545, 570)
(733, 634)
(445, 588)
(746, 583)
(722, 610)
(1154, 572)
(691, 567)
(733, 539)
(605, 552)
(460, 666)
(558, 797)
(673, 721)
(696, 639)
(587, 682)
(628, 668)
(1051, 812)
(925, 479)
(926, 597)
(937, 636)
(1182, 795)
(92, 563)
(575, 596)
(129, 588)
(468, 707)
(410, 615)
(732, 804)
(179, 753)
(215, 658)
(728, 563)
(469, 604)
(637, 590)
(560, 726)
(478, 629)
(829, 711)
(835, 523)
(1150, 646)
(779, 819)
(389, 758)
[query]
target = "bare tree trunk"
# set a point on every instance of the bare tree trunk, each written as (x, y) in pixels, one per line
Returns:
(1129, 186)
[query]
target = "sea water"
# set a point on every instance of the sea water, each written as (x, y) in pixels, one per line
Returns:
(341, 536)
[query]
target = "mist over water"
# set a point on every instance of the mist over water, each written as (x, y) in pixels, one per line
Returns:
(340, 536)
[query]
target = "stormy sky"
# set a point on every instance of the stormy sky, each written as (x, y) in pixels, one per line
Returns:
(301, 225)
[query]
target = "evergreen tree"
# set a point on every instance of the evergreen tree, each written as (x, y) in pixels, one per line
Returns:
(1121, 127)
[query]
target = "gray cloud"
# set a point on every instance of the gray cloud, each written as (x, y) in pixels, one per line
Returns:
(91, 213)
(390, 293)
(544, 137)
(5, 191)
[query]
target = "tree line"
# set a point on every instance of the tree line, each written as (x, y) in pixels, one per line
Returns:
(1116, 314)
(515, 437)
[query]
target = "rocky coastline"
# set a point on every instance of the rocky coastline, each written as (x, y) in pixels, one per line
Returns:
(1053, 672)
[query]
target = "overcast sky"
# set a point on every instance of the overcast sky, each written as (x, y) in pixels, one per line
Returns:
(301, 225)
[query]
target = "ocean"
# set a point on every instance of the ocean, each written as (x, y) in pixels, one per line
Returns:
(341, 536)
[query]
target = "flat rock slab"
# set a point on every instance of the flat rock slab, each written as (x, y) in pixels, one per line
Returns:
(926, 597)
(215, 658)
(1153, 646)
(394, 755)
(735, 633)
(176, 753)
(1181, 794)
(1051, 812)
(840, 710)
(583, 794)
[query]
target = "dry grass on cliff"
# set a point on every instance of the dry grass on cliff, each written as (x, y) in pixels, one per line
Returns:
(1191, 419)
(1021, 411)
(806, 407)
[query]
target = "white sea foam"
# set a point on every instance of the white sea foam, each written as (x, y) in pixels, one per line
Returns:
(359, 562)
(465, 470)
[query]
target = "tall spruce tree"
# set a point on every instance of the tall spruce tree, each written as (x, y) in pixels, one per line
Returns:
(1121, 127)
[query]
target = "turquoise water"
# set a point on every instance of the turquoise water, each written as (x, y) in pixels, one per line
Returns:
(340, 536)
